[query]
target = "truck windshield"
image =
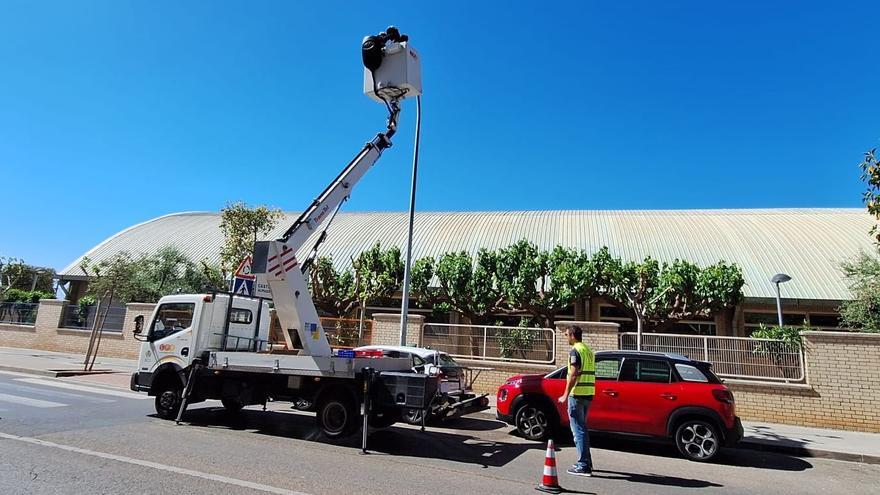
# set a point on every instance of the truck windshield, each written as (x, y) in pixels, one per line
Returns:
(172, 318)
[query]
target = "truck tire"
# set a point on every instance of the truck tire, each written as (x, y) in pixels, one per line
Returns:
(337, 415)
(232, 404)
(384, 419)
(168, 400)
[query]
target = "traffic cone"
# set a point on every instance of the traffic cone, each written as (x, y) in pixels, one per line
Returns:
(550, 482)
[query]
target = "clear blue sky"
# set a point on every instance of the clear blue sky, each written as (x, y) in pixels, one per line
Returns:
(114, 112)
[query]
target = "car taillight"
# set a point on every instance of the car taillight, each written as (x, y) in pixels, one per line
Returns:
(723, 395)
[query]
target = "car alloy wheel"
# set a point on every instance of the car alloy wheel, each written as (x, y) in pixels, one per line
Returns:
(697, 440)
(532, 422)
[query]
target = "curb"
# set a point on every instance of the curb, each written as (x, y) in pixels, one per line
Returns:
(56, 373)
(807, 452)
(30, 371)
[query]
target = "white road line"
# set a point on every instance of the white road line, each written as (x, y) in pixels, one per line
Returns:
(83, 388)
(53, 393)
(27, 401)
(154, 465)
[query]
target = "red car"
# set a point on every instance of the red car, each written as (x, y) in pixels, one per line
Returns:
(640, 393)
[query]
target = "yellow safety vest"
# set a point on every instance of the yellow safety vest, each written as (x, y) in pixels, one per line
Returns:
(586, 384)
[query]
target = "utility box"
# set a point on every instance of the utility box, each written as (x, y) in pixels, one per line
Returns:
(400, 389)
(399, 76)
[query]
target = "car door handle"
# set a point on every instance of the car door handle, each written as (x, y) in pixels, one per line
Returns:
(667, 395)
(610, 393)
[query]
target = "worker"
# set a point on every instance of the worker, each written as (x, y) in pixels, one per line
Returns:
(579, 390)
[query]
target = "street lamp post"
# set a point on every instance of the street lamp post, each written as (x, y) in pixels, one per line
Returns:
(779, 278)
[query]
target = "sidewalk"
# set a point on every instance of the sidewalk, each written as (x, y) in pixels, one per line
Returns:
(793, 440)
(55, 364)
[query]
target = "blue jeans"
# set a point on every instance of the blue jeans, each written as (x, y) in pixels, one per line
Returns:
(578, 408)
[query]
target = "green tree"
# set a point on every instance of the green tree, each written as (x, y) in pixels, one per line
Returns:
(661, 294)
(863, 311)
(871, 177)
(466, 285)
(242, 226)
(543, 283)
(374, 275)
(18, 275)
(148, 278)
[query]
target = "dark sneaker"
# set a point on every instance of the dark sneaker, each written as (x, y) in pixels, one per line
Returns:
(578, 471)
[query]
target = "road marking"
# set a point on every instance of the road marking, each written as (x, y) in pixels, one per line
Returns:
(53, 393)
(83, 388)
(154, 465)
(27, 401)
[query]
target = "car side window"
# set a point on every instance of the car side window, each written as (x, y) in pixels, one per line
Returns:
(607, 369)
(689, 373)
(645, 370)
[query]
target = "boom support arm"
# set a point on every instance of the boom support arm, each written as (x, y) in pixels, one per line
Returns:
(277, 259)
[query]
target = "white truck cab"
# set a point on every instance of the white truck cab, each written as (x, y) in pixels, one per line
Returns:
(184, 325)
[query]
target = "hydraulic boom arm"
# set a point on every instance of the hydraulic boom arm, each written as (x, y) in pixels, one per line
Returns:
(391, 74)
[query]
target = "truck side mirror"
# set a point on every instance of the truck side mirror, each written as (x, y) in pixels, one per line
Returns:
(138, 326)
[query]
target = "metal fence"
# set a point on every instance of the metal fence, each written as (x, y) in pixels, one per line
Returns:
(731, 357)
(83, 317)
(492, 343)
(18, 313)
(347, 333)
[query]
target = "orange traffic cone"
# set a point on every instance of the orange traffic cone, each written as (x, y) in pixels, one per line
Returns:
(550, 482)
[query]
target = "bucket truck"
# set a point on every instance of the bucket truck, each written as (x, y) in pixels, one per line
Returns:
(216, 346)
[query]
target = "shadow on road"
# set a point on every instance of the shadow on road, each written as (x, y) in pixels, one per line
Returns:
(727, 457)
(433, 443)
(655, 479)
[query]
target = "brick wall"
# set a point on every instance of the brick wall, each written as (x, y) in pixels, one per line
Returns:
(386, 329)
(598, 336)
(842, 389)
(46, 333)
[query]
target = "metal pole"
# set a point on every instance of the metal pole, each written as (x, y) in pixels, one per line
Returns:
(778, 304)
(404, 307)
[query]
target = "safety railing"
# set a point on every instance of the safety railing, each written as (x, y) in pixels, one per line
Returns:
(18, 313)
(492, 343)
(731, 357)
(347, 333)
(83, 317)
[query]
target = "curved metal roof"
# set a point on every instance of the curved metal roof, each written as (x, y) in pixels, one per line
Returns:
(807, 244)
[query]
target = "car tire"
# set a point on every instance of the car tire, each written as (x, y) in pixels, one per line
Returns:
(534, 422)
(168, 400)
(336, 416)
(697, 440)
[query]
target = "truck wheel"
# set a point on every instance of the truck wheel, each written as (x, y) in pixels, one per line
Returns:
(413, 416)
(168, 399)
(697, 440)
(232, 404)
(384, 419)
(336, 416)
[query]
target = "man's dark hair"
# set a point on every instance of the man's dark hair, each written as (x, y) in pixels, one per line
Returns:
(576, 332)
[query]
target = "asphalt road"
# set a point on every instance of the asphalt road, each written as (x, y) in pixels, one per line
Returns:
(62, 436)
